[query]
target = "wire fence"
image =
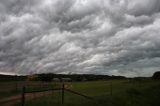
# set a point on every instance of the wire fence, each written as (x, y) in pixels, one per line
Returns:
(110, 90)
(27, 94)
(62, 89)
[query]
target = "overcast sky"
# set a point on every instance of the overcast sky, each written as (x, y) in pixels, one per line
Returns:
(113, 37)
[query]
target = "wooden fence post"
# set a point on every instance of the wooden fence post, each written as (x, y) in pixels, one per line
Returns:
(111, 88)
(62, 93)
(23, 96)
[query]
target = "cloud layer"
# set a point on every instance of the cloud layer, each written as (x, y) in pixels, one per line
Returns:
(115, 37)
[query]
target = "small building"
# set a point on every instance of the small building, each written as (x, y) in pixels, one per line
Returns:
(66, 79)
(56, 79)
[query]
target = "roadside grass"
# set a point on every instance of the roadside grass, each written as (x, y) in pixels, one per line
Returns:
(8, 89)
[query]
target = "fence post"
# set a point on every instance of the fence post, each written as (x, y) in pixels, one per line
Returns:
(62, 93)
(23, 96)
(111, 88)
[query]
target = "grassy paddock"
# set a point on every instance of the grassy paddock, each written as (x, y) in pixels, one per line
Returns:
(106, 93)
(8, 89)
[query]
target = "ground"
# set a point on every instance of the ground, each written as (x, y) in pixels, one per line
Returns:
(104, 93)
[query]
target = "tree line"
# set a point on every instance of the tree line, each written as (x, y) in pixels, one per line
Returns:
(74, 77)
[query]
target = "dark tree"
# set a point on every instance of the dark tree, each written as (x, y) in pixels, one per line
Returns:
(156, 75)
(46, 77)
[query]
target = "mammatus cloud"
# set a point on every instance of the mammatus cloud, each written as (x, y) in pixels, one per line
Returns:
(115, 37)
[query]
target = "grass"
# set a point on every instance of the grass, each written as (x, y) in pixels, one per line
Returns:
(124, 93)
(8, 89)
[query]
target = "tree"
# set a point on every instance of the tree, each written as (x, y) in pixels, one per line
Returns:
(156, 75)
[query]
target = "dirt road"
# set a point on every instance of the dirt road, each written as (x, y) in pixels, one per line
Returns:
(11, 101)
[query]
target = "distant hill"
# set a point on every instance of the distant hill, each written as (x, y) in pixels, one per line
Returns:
(11, 78)
(75, 77)
(50, 76)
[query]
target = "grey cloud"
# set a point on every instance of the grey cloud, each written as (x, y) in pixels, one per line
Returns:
(119, 37)
(143, 7)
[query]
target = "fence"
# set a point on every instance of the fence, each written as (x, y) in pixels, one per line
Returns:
(107, 92)
(30, 89)
(62, 89)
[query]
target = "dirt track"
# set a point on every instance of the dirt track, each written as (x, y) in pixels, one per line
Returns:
(11, 101)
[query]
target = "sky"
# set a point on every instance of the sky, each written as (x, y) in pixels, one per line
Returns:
(109, 37)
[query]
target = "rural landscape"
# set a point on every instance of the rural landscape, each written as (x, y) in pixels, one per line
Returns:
(78, 90)
(79, 52)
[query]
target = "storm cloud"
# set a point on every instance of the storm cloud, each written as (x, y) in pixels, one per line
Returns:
(113, 37)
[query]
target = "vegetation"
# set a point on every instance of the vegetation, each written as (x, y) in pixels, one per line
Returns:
(6, 78)
(13, 88)
(105, 90)
(50, 76)
(106, 93)
(156, 75)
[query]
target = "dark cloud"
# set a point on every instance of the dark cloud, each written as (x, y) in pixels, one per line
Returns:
(119, 37)
(143, 7)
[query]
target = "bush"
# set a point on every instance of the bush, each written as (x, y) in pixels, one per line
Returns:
(156, 75)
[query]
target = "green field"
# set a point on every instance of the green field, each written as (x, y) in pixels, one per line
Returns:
(105, 93)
